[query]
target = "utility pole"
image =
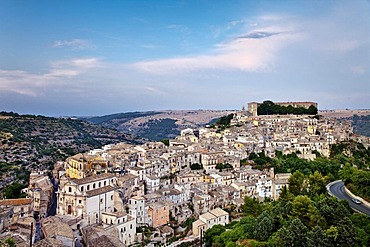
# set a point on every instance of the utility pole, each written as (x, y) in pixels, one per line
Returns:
(31, 234)
(201, 237)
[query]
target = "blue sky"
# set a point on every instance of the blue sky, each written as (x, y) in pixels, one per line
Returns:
(101, 57)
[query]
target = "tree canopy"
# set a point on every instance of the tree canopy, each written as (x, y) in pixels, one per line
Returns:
(270, 108)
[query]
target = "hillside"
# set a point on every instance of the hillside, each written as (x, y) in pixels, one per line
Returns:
(157, 125)
(360, 119)
(28, 142)
(361, 125)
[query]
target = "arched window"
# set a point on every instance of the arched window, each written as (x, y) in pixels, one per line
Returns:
(99, 184)
(88, 187)
(82, 188)
(93, 185)
(105, 183)
(69, 189)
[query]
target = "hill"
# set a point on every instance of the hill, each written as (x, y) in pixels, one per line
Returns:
(157, 125)
(360, 119)
(28, 142)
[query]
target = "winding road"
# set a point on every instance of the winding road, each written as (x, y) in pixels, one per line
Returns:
(336, 189)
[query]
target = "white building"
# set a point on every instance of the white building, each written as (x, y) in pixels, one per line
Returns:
(207, 220)
(264, 187)
(152, 183)
(137, 209)
(87, 197)
(120, 224)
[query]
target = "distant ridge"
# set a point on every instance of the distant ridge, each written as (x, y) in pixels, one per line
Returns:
(158, 125)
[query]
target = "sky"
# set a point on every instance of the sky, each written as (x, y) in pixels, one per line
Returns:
(82, 58)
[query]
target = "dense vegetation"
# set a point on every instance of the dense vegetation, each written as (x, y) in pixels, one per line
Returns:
(361, 125)
(304, 215)
(159, 129)
(294, 221)
(196, 166)
(223, 122)
(30, 142)
(270, 108)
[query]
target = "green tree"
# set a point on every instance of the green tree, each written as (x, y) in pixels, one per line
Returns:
(10, 242)
(332, 210)
(196, 166)
(304, 209)
(165, 142)
(264, 226)
(252, 206)
(247, 224)
(317, 184)
(347, 233)
(293, 234)
(317, 238)
(297, 183)
(211, 233)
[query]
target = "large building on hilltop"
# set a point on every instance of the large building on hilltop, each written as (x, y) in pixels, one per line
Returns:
(252, 106)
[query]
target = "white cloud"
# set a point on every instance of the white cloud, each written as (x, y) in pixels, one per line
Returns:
(358, 70)
(244, 54)
(74, 44)
(34, 84)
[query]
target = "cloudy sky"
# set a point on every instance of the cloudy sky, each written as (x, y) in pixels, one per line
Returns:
(101, 57)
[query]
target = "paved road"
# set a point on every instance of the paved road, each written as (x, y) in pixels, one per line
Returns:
(337, 189)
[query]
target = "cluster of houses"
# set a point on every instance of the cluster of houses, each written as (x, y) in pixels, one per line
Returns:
(109, 196)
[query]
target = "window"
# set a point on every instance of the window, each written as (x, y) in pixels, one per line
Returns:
(105, 183)
(79, 201)
(101, 200)
(88, 187)
(93, 185)
(69, 189)
(82, 188)
(99, 184)
(119, 222)
(130, 226)
(111, 197)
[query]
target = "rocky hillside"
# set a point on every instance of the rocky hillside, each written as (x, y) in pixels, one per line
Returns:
(360, 119)
(36, 142)
(157, 125)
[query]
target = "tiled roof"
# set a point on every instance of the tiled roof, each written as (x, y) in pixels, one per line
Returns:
(93, 178)
(53, 227)
(15, 202)
(218, 212)
(99, 191)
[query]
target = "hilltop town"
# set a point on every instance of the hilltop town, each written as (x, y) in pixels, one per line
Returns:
(167, 192)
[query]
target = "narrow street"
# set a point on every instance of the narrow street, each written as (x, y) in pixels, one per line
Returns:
(53, 207)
